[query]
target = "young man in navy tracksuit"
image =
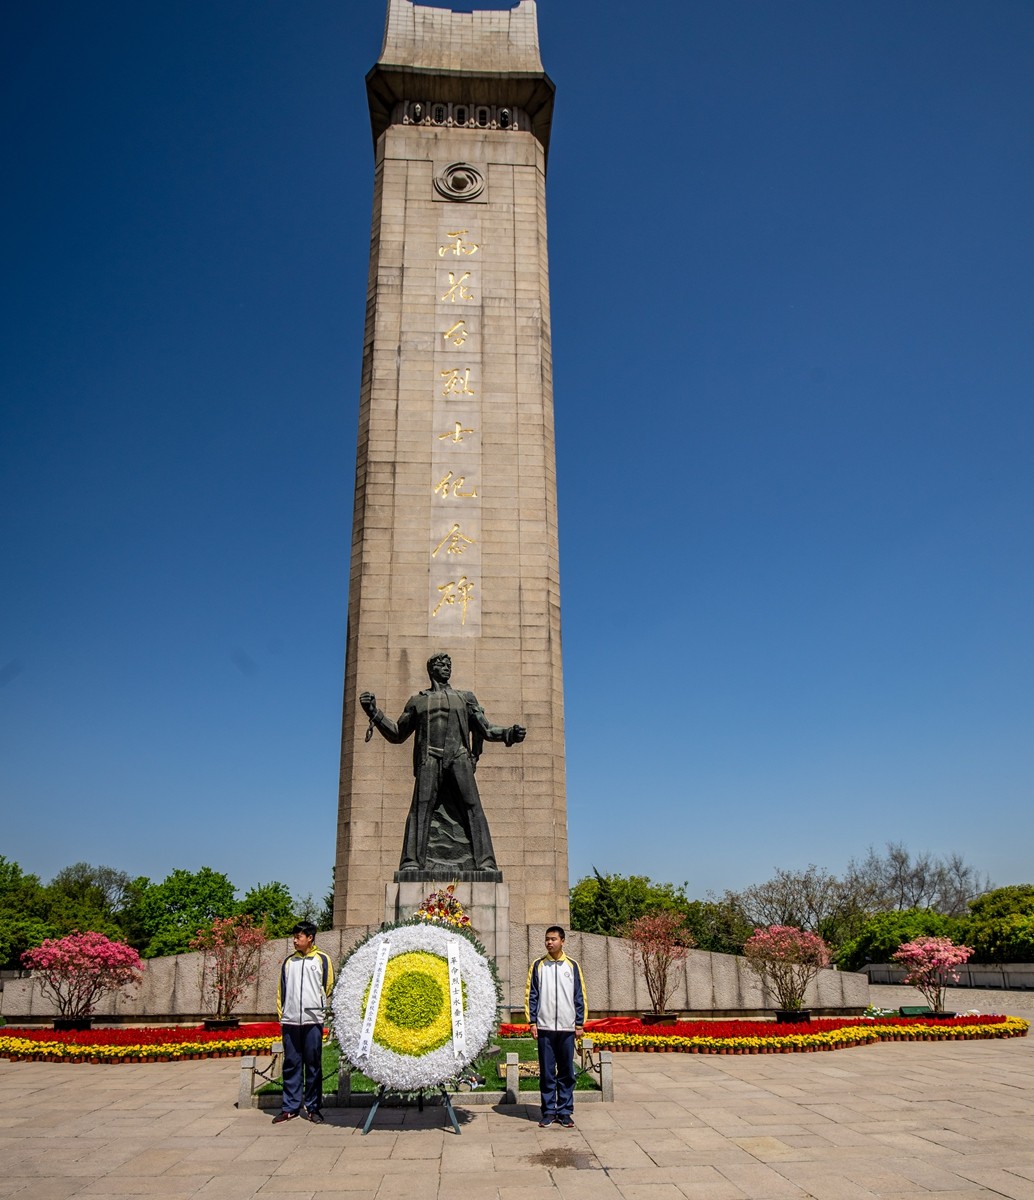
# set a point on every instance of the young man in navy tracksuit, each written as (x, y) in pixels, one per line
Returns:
(555, 1006)
(306, 978)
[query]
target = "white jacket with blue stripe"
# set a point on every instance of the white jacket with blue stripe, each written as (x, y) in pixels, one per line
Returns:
(555, 995)
(305, 983)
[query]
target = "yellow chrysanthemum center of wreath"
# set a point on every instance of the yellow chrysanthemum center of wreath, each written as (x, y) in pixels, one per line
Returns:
(414, 1016)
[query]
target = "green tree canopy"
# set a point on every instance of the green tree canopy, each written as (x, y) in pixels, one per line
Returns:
(171, 912)
(1003, 940)
(19, 933)
(85, 898)
(718, 924)
(325, 918)
(24, 915)
(271, 905)
(321, 914)
(882, 933)
(1001, 925)
(1016, 899)
(14, 881)
(603, 903)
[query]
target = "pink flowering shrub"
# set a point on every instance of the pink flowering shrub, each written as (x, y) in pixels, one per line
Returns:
(230, 954)
(930, 964)
(786, 960)
(76, 970)
(659, 941)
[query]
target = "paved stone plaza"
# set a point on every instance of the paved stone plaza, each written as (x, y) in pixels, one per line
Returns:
(894, 1120)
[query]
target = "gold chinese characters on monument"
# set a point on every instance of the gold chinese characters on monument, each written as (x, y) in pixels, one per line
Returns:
(457, 334)
(454, 594)
(456, 384)
(458, 292)
(456, 244)
(455, 542)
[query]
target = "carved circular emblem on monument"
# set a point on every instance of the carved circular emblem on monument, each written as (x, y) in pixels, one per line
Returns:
(460, 181)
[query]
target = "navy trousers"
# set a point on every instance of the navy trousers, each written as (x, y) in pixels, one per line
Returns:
(303, 1055)
(556, 1071)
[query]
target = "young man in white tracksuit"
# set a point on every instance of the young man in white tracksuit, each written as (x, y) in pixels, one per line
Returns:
(306, 978)
(555, 1007)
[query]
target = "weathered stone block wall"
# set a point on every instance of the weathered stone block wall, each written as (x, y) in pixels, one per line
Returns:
(708, 983)
(170, 992)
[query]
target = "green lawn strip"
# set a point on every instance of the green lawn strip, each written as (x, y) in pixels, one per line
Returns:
(486, 1066)
(582, 1083)
(528, 1051)
(331, 1056)
(331, 1060)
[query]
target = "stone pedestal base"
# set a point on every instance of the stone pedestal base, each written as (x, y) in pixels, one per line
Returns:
(413, 876)
(487, 905)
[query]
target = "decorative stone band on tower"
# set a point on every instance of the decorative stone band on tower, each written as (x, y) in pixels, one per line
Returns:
(454, 543)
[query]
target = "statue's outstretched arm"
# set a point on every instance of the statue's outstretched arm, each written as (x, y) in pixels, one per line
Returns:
(392, 731)
(508, 734)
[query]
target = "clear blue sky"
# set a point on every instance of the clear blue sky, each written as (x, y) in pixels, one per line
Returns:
(792, 251)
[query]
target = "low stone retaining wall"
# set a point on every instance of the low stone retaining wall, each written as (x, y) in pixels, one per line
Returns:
(706, 984)
(1007, 977)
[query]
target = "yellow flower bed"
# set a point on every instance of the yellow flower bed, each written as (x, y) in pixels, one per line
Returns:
(21, 1048)
(1007, 1027)
(864, 1033)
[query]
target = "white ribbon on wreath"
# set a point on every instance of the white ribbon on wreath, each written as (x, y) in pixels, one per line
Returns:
(373, 1002)
(459, 1035)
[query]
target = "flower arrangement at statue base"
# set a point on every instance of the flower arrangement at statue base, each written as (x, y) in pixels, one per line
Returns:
(756, 1037)
(412, 1042)
(442, 906)
(122, 1045)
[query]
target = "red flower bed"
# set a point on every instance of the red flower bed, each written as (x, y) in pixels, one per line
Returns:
(152, 1036)
(721, 1029)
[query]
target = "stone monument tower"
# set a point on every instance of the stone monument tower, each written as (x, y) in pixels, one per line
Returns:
(454, 538)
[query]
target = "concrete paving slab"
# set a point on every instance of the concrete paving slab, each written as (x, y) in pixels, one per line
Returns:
(652, 1191)
(575, 1187)
(898, 1121)
(269, 1190)
(483, 1191)
(241, 1187)
(1003, 1182)
(48, 1189)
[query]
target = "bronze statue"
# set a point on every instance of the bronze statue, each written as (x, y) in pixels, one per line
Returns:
(450, 728)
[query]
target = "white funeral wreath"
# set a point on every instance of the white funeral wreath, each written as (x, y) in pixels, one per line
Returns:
(412, 1041)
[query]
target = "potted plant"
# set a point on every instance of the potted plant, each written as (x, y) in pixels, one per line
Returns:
(658, 940)
(786, 960)
(229, 952)
(930, 964)
(76, 970)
